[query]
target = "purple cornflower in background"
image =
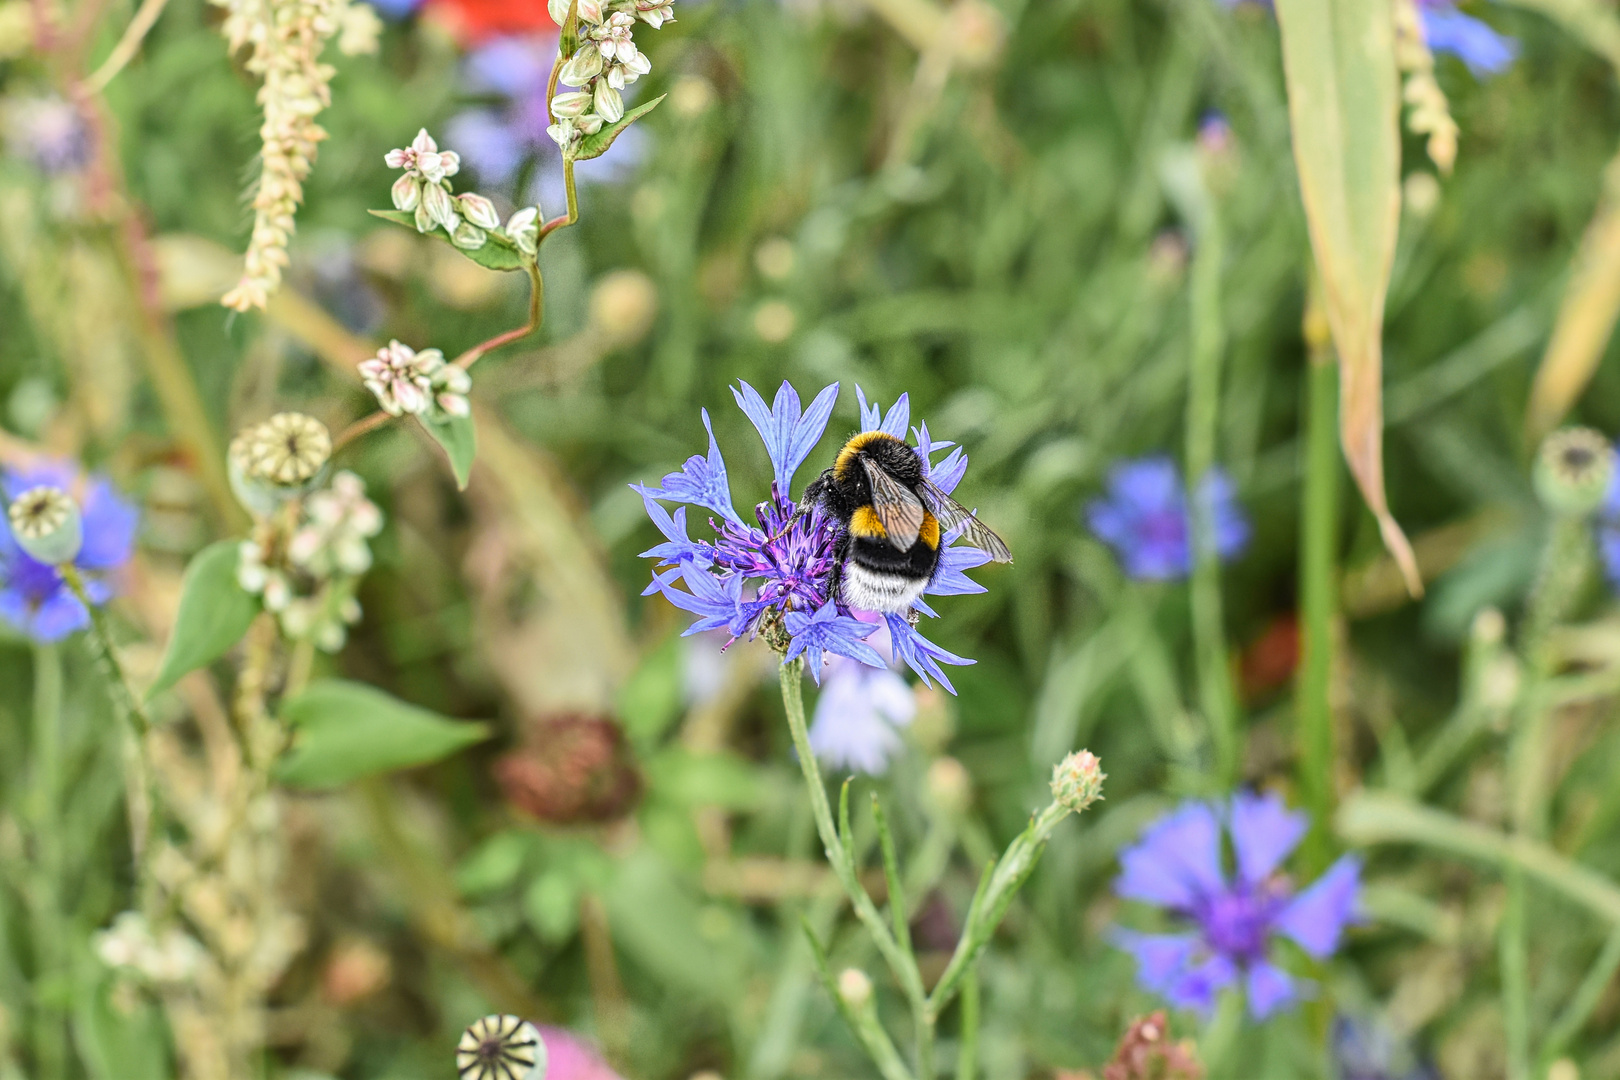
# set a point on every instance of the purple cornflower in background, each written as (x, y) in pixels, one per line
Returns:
(33, 597)
(50, 133)
(569, 1057)
(1608, 529)
(495, 140)
(859, 710)
(1144, 518)
(749, 576)
(1178, 865)
(397, 9)
(1471, 40)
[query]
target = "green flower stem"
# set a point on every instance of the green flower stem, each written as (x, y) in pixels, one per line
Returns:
(1216, 696)
(898, 959)
(128, 701)
(967, 1050)
(1513, 958)
(573, 202)
(1582, 1003)
(1380, 818)
(50, 1045)
(862, 1019)
(1318, 588)
(996, 891)
(537, 312)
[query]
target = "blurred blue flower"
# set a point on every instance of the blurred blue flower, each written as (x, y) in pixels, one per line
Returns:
(33, 597)
(1144, 518)
(1608, 529)
(1367, 1048)
(495, 140)
(397, 9)
(1178, 865)
(858, 712)
(749, 577)
(49, 132)
(1470, 40)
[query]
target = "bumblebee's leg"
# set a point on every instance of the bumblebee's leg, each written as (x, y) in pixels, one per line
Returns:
(913, 616)
(835, 577)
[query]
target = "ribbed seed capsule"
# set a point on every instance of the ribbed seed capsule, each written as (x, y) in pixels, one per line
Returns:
(501, 1048)
(45, 523)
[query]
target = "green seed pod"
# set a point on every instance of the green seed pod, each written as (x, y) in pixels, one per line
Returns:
(47, 525)
(278, 460)
(1573, 471)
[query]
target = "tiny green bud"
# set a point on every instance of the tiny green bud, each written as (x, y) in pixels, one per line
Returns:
(46, 523)
(501, 1048)
(854, 987)
(1077, 780)
(1573, 471)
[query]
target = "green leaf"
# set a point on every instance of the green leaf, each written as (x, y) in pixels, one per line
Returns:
(1344, 103)
(651, 698)
(215, 611)
(498, 252)
(718, 779)
(596, 145)
(346, 730)
(460, 441)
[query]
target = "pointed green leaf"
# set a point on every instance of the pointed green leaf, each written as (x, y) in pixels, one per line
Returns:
(498, 252)
(346, 730)
(596, 145)
(215, 612)
(1344, 109)
(459, 438)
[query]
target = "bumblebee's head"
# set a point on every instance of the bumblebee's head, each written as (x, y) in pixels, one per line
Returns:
(887, 452)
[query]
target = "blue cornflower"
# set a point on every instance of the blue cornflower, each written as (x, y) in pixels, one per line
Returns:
(1178, 865)
(859, 711)
(1471, 40)
(33, 597)
(1368, 1048)
(1608, 528)
(775, 574)
(1144, 518)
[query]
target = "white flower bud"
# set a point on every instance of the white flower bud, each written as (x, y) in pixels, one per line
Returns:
(407, 193)
(454, 404)
(609, 103)
(854, 987)
(589, 124)
(424, 220)
(590, 11)
(582, 67)
(440, 207)
(570, 105)
(478, 210)
(558, 10)
(47, 525)
(524, 229)
(468, 236)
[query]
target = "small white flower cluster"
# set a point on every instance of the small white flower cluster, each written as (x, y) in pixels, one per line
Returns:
(606, 61)
(418, 383)
(310, 586)
(468, 218)
(129, 944)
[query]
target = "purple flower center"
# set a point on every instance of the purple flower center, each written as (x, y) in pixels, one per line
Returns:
(1237, 921)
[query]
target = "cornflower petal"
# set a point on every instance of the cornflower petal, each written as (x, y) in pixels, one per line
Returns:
(920, 654)
(716, 599)
(789, 436)
(680, 548)
(1177, 863)
(1264, 833)
(1473, 41)
(701, 481)
(828, 631)
(949, 472)
(1197, 987)
(1316, 918)
(1269, 989)
(1162, 960)
(895, 421)
(949, 579)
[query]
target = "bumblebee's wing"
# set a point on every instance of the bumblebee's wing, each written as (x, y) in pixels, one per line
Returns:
(953, 515)
(898, 509)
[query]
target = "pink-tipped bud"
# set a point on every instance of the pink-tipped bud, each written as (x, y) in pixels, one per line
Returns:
(1077, 780)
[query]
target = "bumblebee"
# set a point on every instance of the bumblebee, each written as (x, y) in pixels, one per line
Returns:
(893, 518)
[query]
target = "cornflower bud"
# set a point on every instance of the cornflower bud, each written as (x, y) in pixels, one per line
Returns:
(501, 1048)
(854, 987)
(1573, 471)
(47, 524)
(1077, 780)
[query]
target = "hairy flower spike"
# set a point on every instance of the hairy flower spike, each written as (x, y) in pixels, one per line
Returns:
(286, 38)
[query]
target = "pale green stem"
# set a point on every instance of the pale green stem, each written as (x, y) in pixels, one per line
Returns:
(967, 1052)
(1514, 959)
(50, 1047)
(904, 969)
(1585, 1000)
(1318, 596)
(1215, 1046)
(1216, 696)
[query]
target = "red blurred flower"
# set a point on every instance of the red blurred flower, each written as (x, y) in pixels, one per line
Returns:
(1267, 664)
(474, 22)
(571, 769)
